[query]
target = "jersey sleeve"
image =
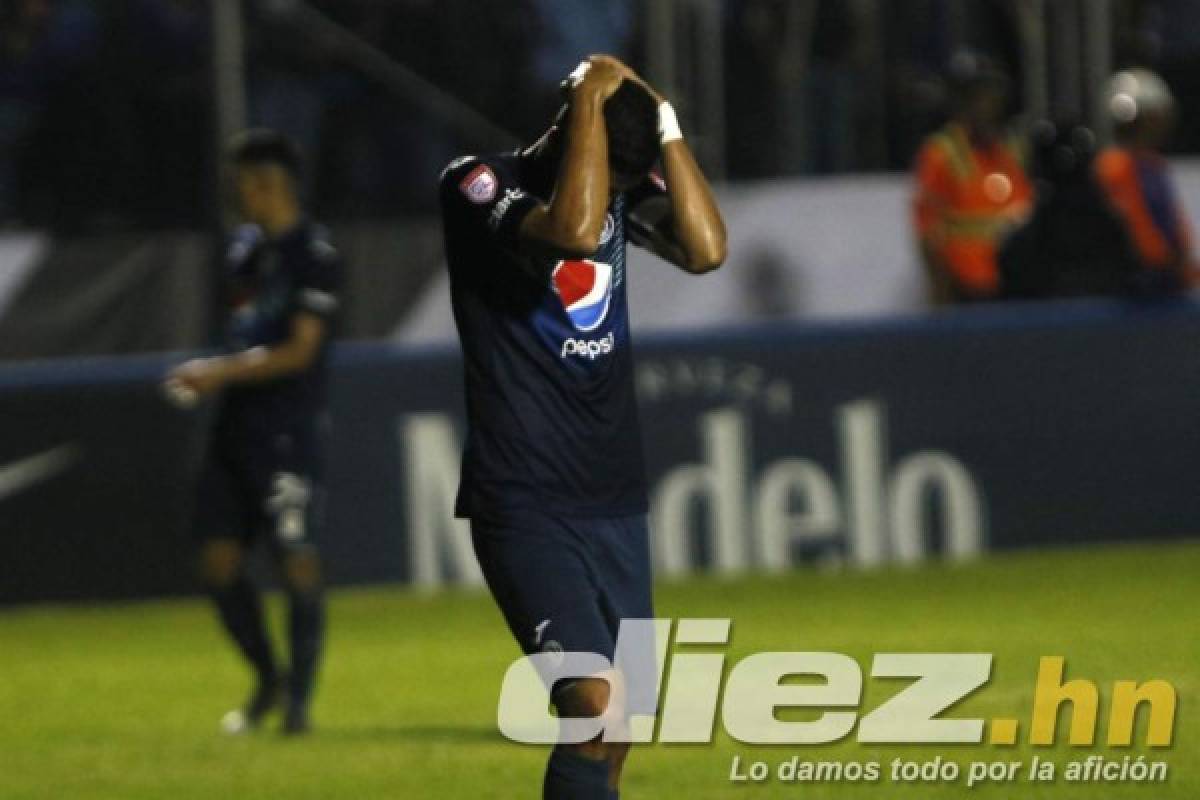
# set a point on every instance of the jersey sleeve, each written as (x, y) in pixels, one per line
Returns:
(485, 194)
(240, 252)
(319, 282)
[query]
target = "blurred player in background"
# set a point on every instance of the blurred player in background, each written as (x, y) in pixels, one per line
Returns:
(1137, 180)
(971, 185)
(262, 477)
(1073, 244)
(553, 480)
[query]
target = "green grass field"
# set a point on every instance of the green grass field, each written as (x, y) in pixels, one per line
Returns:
(122, 701)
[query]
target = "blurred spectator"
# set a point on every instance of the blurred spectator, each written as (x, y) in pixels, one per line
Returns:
(46, 48)
(165, 76)
(1074, 244)
(768, 284)
(919, 46)
(819, 95)
(971, 185)
(570, 30)
(1170, 33)
(751, 50)
(1136, 178)
(297, 87)
(797, 68)
(921, 37)
(376, 153)
(444, 41)
(105, 107)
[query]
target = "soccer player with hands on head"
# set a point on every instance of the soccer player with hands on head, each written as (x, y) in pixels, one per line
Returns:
(552, 479)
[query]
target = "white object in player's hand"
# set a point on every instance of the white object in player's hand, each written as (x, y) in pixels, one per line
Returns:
(179, 394)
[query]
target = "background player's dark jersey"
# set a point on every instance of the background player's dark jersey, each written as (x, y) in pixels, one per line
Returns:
(269, 281)
(553, 422)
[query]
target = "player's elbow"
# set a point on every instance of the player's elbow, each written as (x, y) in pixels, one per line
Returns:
(299, 356)
(708, 258)
(578, 240)
(581, 246)
(577, 234)
(304, 360)
(568, 230)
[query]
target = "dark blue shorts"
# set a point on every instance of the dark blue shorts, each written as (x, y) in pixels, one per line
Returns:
(566, 584)
(261, 487)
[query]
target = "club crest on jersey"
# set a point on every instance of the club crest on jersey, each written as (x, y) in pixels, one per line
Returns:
(585, 288)
(480, 185)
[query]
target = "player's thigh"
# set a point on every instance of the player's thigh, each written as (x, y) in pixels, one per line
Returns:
(289, 500)
(619, 550)
(544, 587)
(224, 518)
(290, 511)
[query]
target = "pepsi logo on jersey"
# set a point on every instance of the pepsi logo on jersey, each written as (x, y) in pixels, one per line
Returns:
(585, 289)
(591, 349)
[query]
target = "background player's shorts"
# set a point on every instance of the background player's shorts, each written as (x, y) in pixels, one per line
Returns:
(263, 486)
(565, 584)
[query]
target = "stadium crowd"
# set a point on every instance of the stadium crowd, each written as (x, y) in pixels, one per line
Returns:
(1003, 213)
(139, 73)
(812, 87)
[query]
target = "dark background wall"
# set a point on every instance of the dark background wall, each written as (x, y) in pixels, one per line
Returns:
(1064, 424)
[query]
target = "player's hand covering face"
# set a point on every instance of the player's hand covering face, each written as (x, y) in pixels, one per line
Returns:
(600, 76)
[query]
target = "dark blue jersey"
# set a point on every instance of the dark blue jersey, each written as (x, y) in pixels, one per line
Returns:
(552, 413)
(268, 282)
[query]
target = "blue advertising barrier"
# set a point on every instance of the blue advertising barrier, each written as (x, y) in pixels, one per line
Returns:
(853, 444)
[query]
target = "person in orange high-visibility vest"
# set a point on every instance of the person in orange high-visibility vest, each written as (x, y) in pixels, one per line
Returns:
(1138, 184)
(972, 187)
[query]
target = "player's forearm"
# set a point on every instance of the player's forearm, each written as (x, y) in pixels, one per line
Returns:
(696, 219)
(575, 216)
(262, 364)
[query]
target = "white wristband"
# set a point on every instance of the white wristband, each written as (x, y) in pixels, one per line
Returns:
(668, 124)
